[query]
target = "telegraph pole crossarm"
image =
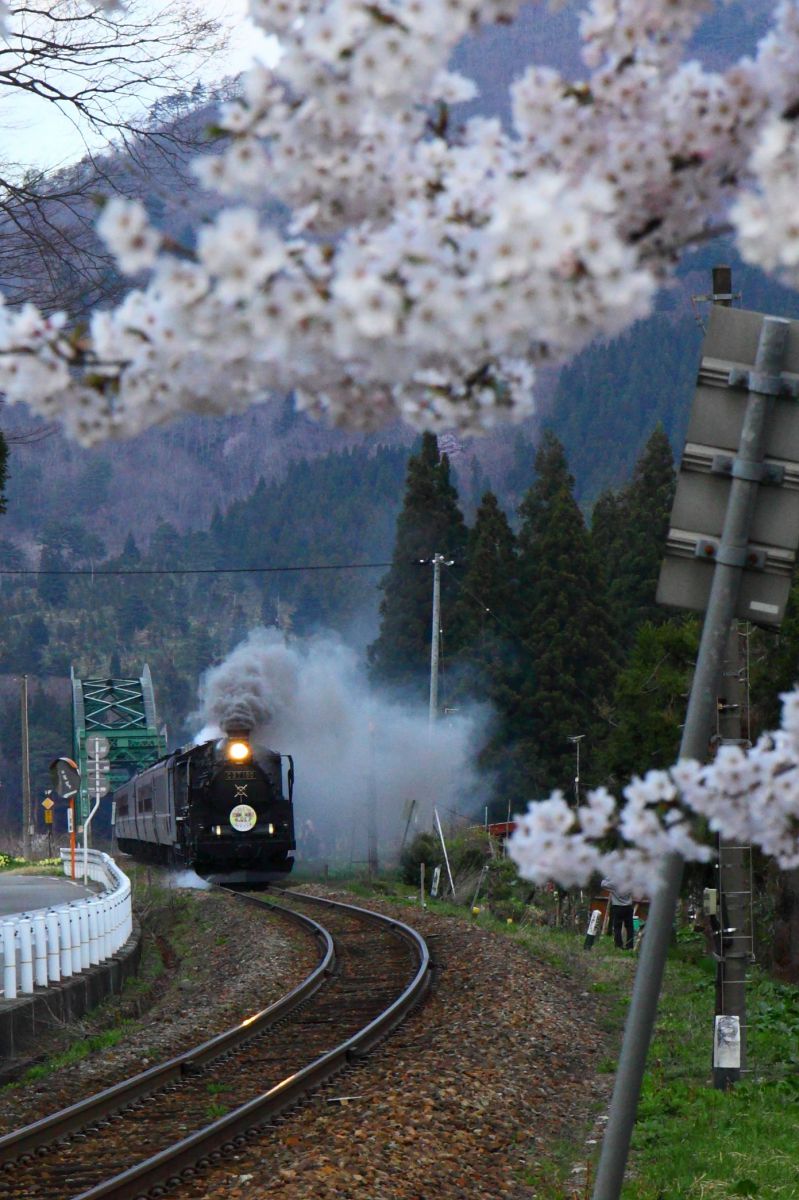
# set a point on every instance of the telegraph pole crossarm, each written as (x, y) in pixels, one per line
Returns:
(764, 384)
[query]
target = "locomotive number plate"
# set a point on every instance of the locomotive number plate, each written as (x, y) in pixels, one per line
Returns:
(239, 774)
(243, 817)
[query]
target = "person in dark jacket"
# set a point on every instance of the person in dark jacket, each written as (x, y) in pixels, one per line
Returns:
(621, 915)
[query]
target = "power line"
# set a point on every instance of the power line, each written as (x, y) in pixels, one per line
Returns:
(97, 574)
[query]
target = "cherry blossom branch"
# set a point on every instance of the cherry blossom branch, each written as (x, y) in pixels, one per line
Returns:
(748, 797)
(426, 271)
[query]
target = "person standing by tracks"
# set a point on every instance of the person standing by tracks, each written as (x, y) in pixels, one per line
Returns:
(621, 916)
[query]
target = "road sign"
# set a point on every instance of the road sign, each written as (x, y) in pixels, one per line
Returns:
(48, 803)
(48, 816)
(65, 776)
(97, 746)
(712, 459)
(100, 766)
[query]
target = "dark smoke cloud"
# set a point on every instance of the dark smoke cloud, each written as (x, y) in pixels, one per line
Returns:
(352, 746)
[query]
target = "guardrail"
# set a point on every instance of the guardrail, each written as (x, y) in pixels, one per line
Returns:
(50, 944)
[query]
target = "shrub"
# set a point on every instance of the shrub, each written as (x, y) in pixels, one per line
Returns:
(425, 848)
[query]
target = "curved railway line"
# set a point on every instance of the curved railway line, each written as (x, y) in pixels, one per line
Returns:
(147, 1134)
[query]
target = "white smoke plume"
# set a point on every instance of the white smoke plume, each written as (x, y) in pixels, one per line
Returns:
(353, 748)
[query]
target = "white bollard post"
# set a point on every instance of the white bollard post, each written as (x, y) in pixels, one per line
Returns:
(24, 930)
(83, 921)
(9, 960)
(53, 948)
(102, 930)
(40, 950)
(65, 942)
(109, 926)
(118, 922)
(115, 924)
(94, 953)
(74, 933)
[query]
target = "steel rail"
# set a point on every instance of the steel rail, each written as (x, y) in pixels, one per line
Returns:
(179, 1162)
(94, 1108)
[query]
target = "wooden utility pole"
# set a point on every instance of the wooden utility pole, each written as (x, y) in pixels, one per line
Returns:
(26, 773)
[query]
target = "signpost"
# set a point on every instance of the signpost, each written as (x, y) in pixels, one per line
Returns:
(97, 748)
(48, 804)
(732, 546)
(66, 781)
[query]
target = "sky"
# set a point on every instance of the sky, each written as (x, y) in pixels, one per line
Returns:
(34, 133)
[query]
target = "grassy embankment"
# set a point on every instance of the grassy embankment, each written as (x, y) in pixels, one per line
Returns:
(691, 1142)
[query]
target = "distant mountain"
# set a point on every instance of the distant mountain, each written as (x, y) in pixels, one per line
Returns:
(185, 471)
(501, 53)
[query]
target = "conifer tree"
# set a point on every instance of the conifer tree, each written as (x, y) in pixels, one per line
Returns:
(564, 627)
(429, 523)
(650, 699)
(487, 667)
(629, 536)
(487, 589)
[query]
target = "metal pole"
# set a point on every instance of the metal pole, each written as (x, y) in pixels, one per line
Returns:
(576, 739)
(26, 773)
(699, 725)
(372, 808)
(444, 848)
(88, 821)
(434, 637)
(734, 947)
(734, 888)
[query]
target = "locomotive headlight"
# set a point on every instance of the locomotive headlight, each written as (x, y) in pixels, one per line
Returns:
(238, 751)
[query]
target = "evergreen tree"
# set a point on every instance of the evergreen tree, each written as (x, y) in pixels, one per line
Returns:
(650, 700)
(487, 589)
(429, 523)
(629, 536)
(54, 589)
(487, 667)
(564, 626)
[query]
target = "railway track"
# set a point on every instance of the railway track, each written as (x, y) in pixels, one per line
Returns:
(147, 1134)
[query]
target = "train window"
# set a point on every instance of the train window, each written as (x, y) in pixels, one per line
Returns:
(145, 800)
(122, 807)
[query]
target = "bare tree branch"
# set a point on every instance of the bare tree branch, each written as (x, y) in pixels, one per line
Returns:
(131, 79)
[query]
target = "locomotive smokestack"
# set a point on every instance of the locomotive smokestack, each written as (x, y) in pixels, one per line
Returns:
(238, 720)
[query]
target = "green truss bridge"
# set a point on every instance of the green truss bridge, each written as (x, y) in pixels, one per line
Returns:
(123, 711)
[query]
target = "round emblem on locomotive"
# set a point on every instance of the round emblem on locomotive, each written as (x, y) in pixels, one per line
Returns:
(243, 817)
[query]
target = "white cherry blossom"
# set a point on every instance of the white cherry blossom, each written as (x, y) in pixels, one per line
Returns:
(431, 264)
(749, 797)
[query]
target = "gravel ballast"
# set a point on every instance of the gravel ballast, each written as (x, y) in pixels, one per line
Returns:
(495, 1072)
(484, 1089)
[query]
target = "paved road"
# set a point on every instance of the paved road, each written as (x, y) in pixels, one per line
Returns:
(22, 893)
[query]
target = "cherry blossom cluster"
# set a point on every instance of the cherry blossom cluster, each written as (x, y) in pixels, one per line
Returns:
(427, 265)
(749, 797)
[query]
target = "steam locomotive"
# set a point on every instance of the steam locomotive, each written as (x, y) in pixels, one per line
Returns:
(218, 808)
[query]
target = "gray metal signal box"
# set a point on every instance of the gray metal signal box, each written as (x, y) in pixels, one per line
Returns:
(709, 463)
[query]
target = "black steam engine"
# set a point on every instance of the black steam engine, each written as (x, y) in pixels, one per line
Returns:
(219, 808)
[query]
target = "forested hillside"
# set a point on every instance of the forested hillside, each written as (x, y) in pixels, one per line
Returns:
(270, 488)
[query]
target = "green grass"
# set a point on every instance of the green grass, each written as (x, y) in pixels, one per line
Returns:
(78, 1051)
(692, 1142)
